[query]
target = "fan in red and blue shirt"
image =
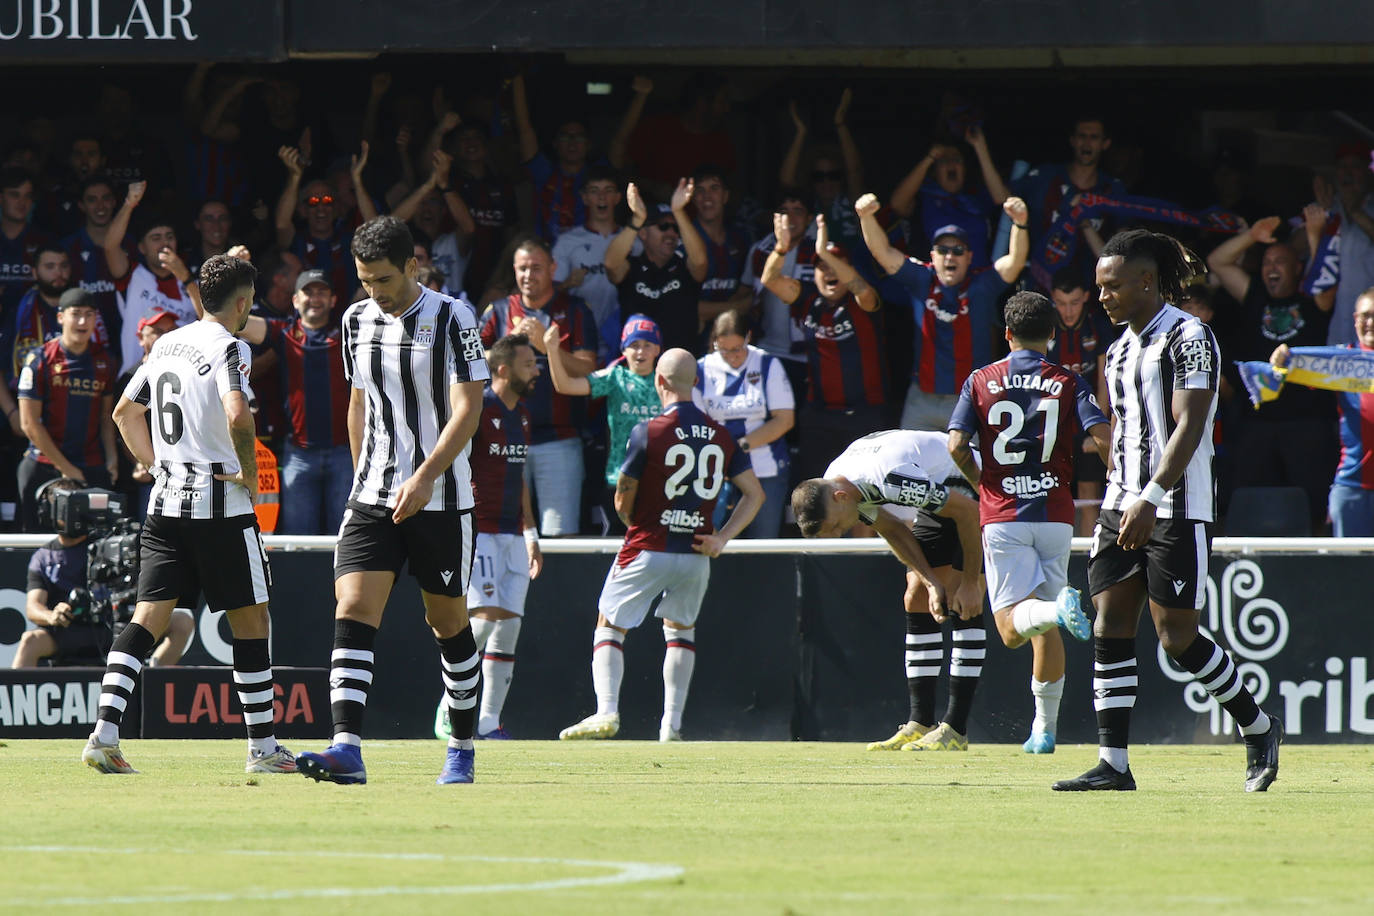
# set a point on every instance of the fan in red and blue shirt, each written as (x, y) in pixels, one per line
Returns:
(19, 239)
(1083, 333)
(89, 268)
(554, 416)
(66, 400)
(317, 463)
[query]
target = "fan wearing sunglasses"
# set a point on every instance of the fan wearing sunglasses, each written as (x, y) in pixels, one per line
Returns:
(321, 243)
(663, 282)
(955, 307)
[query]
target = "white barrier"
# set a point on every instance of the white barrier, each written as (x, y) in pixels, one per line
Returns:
(833, 546)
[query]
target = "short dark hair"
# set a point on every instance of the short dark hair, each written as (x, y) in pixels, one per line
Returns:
(502, 353)
(809, 501)
(1174, 264)
(220, 277)
(427, 275)
(789, 193)
(1030, 317)
(1067, 279)
(1089, 117)
(13, 176)
(532, 243)
(148, 220)
(709, 170)
(48, 247)
(383, 238)
(99, 178)
(598, 172)
(729, 322)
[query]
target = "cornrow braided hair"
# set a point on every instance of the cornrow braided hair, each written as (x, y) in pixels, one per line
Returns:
(1174, 264)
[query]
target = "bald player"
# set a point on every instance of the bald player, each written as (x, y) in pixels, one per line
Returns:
(675, 465)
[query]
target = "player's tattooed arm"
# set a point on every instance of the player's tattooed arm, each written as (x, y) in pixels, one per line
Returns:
(243, 435)
(626, 489)
(961, 451)
(967, 600)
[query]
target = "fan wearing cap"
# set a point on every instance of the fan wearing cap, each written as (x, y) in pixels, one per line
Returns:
(317, 465)
(627, 385)
(66, 403)
(845, 352)
(663, 282)
(955, 307)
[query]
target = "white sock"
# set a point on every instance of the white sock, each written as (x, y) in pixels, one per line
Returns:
(1115, 757)
(498, 667)
(1257, 727)
(462, 744)
(1034, 616)
(481, 630)
(608, 668)
(679, 658)
(262, 746)
(1047, 696)
(106, 733)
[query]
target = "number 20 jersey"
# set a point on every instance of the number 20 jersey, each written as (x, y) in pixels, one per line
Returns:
(1025, 414)
(681, 459)
(182, 383)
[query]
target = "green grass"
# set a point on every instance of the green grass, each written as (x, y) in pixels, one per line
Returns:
(752, 827)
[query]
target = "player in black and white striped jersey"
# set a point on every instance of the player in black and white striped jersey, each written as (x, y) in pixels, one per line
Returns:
(1153, 538)
(414, 358)
(201, 532)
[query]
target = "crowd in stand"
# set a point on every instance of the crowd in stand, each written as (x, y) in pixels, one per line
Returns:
(822, 308)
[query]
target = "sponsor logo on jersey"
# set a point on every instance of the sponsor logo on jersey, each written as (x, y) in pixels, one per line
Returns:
(648, 293)
(680, 520)
(471, 341)
(1195, 356)
(1029, 486)
(516, 452)
(183, 493)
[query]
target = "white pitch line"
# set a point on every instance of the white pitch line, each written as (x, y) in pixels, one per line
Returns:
(626, 873)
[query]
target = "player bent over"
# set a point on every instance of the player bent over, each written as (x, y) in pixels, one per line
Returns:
(1153, 537)
(414, 358)
(899, 482)
(1026, 413)
(674, 468)
(201, 531)
(507, 555)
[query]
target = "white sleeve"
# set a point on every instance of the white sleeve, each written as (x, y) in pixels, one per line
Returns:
(233, 375)
(777, 389)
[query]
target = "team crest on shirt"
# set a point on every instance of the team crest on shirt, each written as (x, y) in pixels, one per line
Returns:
(496, 421)
(753, 378)
(424, 335)
(488, 589)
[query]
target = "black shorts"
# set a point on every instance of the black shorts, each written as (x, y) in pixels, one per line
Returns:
(939, 536)
(221, 557)
(438, 545)
(1174, 561)
(79, 642)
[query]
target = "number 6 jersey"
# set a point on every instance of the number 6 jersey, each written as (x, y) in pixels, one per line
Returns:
(681, 459)
(182, 383)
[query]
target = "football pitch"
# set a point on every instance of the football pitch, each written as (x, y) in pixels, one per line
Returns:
(637, 827)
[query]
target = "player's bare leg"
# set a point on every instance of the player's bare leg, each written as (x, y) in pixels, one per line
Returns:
(608, 670)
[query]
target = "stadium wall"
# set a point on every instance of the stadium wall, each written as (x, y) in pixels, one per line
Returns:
(809, 646)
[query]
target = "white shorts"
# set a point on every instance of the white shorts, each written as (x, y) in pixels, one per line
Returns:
(630, 590)
(1025, 560)
(500, 573)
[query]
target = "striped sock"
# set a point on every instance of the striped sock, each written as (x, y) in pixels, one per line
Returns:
(1114, 690)
(1212, 667)
(461, 667)
(121, 676)
(253, 681)
(498, 668)
(965, 669)
(350, 677)
(925, 652)
(679, 658)
(608, 668)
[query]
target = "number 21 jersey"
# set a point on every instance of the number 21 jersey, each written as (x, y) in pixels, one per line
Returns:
(681, 459)
(182, 383)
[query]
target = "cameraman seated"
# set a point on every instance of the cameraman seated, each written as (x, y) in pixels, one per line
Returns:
(67, 629)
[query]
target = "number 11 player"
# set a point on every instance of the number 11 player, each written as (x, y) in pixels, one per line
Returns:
(674, 468)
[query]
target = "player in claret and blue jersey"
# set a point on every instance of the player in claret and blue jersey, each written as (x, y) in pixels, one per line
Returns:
(1027, 413)
(674, 468)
